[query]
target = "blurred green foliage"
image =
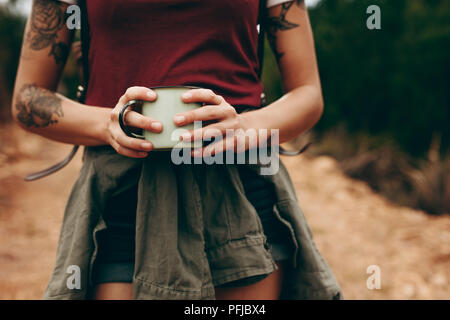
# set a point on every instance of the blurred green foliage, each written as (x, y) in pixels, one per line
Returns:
(391, 83)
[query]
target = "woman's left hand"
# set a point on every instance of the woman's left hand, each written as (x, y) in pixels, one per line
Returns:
(229, 124)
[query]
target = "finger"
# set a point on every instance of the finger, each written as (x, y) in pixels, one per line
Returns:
(132, 143)
(202, 95)
(229, 143)
(128, 152)
(206, 133)
(137, 93)
(137, 120)
(223, 127)
(215, 112)
(237, 141)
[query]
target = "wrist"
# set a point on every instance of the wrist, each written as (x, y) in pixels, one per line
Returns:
(100, 129)
(256, 121)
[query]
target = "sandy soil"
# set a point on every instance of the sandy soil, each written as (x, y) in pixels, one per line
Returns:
(353, 227)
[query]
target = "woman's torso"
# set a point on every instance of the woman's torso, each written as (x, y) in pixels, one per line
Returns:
(206, 43)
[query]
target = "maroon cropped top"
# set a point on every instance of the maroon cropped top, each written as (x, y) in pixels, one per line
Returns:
(205, 43)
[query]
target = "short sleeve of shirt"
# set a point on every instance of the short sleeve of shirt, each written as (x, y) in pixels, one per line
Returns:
(271, 3)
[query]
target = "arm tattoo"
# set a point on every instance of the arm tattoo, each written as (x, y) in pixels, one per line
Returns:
(280, 23)
(47, 18)
(38, 107)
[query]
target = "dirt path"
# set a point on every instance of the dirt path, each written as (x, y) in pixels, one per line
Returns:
(353, 227)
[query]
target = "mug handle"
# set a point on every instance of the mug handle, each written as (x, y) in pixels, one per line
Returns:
(122, 124)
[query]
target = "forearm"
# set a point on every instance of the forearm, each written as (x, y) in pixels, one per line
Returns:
(293, 114)
(55, 117)
(290, 36)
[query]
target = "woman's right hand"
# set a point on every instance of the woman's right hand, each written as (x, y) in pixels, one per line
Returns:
(123, 144)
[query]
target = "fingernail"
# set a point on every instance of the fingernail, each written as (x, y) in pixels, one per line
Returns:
(150, 94)
(156, 125)
(179, 119)
(187, 95)
(186, 136)
(146, 145)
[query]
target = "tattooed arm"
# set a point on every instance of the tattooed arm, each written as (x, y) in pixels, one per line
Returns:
(36, 107)
(47, 19)
(291, 39)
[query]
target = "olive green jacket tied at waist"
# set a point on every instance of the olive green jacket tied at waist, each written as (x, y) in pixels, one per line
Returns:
(195, 229)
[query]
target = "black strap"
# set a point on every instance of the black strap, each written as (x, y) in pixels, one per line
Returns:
(54, 168)
(85, 43)
(261, 34)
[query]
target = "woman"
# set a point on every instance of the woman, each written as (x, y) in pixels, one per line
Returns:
(136, 226)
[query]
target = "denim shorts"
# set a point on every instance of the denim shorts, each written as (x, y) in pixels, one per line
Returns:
(116, 244)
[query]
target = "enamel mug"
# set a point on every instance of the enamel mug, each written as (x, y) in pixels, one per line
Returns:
(167, 104)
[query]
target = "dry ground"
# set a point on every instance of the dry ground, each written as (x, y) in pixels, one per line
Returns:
(353, 227)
